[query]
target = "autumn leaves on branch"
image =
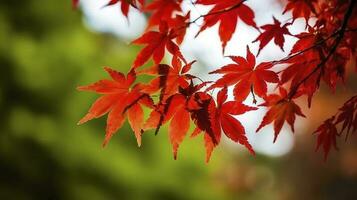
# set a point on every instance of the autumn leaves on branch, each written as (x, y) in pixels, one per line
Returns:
(323, 52)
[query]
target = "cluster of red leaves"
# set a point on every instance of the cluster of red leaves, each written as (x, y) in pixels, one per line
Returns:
(345, 120)
(321, 53)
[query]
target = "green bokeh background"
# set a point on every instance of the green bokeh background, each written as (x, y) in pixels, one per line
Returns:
(45, 53)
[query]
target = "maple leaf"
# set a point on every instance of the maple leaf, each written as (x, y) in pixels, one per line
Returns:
(162, 113)
(212, 119)
(348, 115)
(179, 24)
(203, 114)
(273, 31)
(156, 44)
(175, 110)
(306, 40)
(300, 8)
(326, 136)
(169, 78)
(179, 124)
(231, 127)
(120, 100)
(125, 4)
(162, 10)
(245, 76)
(172, 105)
(297, 72)
(281, 109)
(335, 68)
(227, 13)
(301, 65)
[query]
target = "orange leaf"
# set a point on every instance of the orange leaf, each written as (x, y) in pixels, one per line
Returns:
(119, 99)
(227, 13)
(156, 42)
(281, 110)
(245, 75)
(178, 128)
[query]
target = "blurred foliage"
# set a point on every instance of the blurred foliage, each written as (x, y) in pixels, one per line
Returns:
(45, 52)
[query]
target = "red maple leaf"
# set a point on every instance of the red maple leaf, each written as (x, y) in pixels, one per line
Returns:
(281, 109)
(211, 119)
(173, 111)
(301, 65)
(169, 78)
(176, 110)
(156, 44)
(124, 6)
(348, 116)
(120, 100)
(203, 113)
(231, 127)
(162, 10)
(179, 24)
(162, 113)
(245, 76)
(326, 136)
(273, 31)
(180, 122)
(227, 13)
(300, 8)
